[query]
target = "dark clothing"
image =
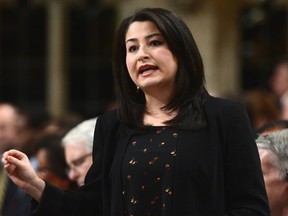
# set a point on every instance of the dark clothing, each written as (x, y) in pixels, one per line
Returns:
(217, 170)
(147, 172)
(17, 202)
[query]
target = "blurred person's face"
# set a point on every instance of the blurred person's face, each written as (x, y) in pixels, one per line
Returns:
(279, 79)
(25, 136)
(79, 160)
(277, 188)
(44, 171)
(8, 127)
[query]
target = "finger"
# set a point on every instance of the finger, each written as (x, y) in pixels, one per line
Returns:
(3, 160)
(11, 159)
(16, 154)
(10, 168)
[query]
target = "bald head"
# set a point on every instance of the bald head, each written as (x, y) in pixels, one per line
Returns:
(8, 125)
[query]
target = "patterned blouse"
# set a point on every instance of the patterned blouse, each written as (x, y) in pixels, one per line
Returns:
(147, 172)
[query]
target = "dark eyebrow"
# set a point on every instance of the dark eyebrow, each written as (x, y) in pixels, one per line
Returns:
(146, 37)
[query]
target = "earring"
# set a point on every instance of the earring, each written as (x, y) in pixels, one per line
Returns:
(137, 88)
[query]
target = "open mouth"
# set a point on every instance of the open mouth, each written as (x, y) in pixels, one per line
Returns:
(147, 68)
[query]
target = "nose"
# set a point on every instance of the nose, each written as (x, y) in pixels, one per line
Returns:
(143, 53)
(73, 175)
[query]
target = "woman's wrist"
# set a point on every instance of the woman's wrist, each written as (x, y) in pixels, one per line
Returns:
(36, 189)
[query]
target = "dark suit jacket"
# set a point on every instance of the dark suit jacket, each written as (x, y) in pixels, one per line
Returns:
(217, 170)
(16, 203)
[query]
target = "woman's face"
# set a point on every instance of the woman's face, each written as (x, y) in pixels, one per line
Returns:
(151, 64)
(45, 172)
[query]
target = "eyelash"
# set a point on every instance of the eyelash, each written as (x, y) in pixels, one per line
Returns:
(152, 43)
(132, 48)
(155, 43)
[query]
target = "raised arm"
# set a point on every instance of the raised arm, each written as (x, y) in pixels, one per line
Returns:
(21, 172)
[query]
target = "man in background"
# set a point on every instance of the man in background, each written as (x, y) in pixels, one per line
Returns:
(279, 85)
(78, 145)
(273, 151)
(13, 201)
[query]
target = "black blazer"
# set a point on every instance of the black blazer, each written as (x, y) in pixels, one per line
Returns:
(217, 171)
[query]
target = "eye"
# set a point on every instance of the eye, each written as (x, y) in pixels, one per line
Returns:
(79, 161)
(132, 48)
(155, 43)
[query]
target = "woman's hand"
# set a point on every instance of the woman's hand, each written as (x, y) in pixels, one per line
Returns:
(21, 172)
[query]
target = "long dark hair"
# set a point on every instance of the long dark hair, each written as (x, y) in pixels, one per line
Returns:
(51, 143)
(190, 90)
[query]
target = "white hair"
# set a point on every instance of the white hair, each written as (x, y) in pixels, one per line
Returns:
(277, 143)
(81, 134)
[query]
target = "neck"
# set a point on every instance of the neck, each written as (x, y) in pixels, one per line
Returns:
(154, 102)
(281, 209)
(157, 116)
(280, 212)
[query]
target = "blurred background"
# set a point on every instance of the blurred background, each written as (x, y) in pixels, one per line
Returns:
(57, 54)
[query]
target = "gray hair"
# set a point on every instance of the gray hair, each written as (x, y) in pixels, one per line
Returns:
(81, 134)
(277, 143)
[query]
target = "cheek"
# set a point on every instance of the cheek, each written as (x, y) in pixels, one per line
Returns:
(131, 67)
(273, 185)
(130, 62)
(88, 164)
(83, 168)
(169, 60)
(42, 175)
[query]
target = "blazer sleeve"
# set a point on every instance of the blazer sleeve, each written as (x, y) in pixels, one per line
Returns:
(243, 179)
(87, 200)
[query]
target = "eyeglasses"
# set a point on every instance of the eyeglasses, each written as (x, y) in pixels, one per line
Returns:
(42, 170)
(77, 162)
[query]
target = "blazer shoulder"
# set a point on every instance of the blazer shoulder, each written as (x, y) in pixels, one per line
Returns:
(108, 121)
(110, 116)
(216, 105)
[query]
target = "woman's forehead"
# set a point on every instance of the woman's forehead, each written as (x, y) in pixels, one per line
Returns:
(137, 29)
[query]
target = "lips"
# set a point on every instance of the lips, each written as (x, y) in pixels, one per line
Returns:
(145, 68)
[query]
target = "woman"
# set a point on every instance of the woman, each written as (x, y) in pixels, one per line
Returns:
(51, 165)
(170, 148)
